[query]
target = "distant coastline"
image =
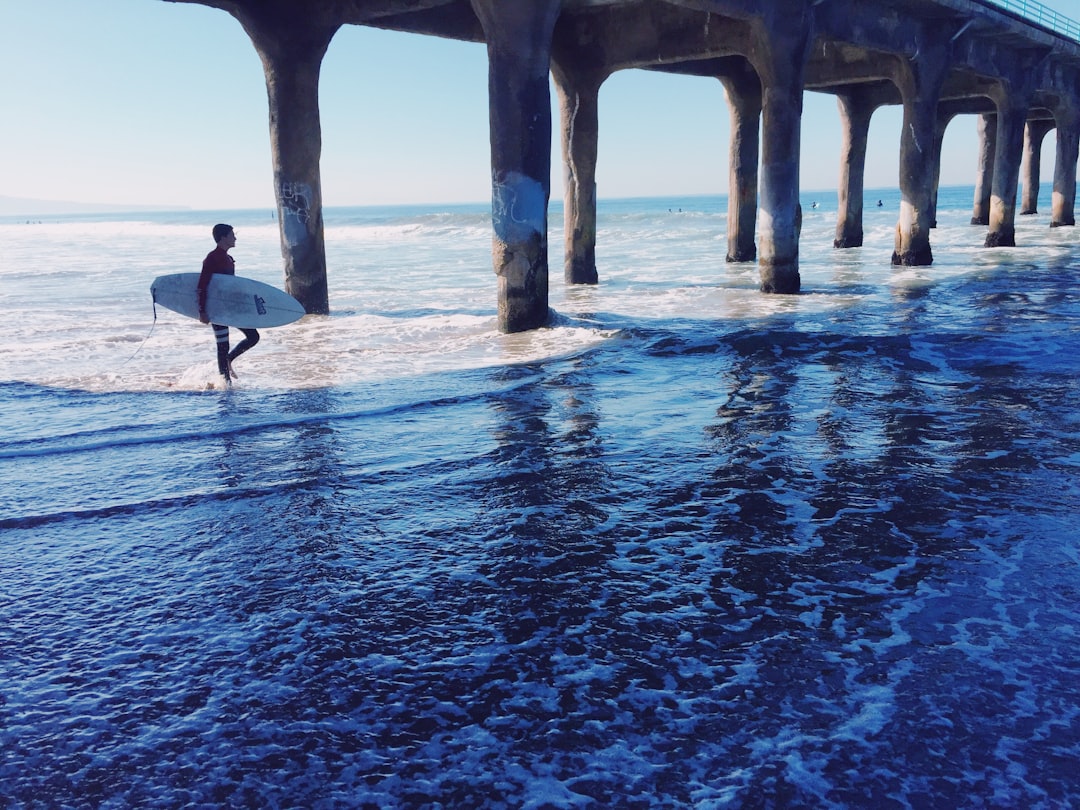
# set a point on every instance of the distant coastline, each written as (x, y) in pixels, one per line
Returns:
(28, 207)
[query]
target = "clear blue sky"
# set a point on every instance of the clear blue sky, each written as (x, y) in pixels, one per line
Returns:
(151, 102)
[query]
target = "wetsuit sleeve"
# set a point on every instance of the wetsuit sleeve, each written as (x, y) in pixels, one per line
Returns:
(204, 282)
(211, 264)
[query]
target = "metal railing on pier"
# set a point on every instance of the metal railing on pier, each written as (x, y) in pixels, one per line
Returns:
(1040, 15)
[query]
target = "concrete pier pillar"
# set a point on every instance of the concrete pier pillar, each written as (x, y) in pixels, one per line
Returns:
(856, 109)
(984, 177)
(1030, 167)
(1068, 148)
(578, 107)
(779, 53)
(944, 118)
(743, 89)
(291, 47)
(920, 84)
(1012, 104)
(518, 37)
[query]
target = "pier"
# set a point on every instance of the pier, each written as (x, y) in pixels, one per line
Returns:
(1018, 73)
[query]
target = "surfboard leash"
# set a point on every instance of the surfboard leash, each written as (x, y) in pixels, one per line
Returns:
(153, 297)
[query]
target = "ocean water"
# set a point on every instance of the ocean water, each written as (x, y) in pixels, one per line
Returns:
(691, 546)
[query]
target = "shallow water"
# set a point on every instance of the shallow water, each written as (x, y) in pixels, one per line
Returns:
(692, 546)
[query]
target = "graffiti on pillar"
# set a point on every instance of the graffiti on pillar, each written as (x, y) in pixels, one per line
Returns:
(518, 208)
(295, 212)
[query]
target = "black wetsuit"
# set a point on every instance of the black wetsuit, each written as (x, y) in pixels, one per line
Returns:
(219, 261)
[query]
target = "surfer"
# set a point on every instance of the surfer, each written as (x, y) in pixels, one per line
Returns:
(218, 260)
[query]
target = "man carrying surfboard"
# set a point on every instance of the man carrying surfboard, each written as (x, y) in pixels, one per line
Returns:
(218, 260)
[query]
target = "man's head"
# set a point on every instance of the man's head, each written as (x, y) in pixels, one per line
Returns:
(221, 230)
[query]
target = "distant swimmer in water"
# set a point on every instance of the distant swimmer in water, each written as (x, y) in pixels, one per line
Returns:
(218, 260)
(879, 203)
(813, 204)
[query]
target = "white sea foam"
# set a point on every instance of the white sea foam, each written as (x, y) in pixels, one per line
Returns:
(417, 294)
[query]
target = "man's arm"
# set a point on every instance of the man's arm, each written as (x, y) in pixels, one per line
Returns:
(204, 283)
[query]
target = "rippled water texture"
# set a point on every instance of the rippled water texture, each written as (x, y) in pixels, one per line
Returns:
(687, 549)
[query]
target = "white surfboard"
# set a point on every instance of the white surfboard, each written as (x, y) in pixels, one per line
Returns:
(230, 300)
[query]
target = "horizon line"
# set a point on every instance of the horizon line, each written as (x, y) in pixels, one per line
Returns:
(72, 207)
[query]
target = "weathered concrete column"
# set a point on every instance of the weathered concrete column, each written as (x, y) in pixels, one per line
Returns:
(743, 89)
(291, 46)
(578, 108)
(855, 108)
(984, 178)
(1031, 165)
(1062, 211)
(518, 39)
(920, 82)
(779, 52)
(1012, 99)
(944, 118)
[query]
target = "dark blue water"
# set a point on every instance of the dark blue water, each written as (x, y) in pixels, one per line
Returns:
(821, 556)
